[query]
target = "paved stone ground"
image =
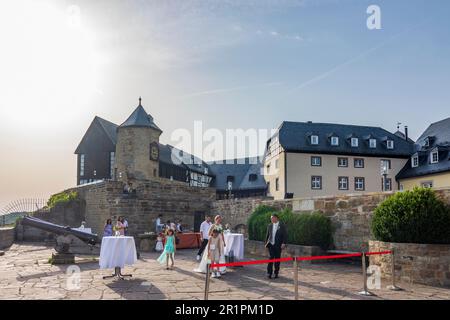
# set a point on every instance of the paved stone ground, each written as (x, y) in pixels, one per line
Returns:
(26, 274)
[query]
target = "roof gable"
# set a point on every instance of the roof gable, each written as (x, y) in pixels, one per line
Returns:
(101, 134)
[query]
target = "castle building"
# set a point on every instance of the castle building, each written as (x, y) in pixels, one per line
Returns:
(132, 152)
(306, 159)
(429, 164)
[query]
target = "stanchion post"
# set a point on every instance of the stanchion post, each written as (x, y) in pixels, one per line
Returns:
(393, 287)
(296, 278)
(208, 267)
(365, 292)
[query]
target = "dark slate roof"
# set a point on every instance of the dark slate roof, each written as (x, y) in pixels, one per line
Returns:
(440, 134)
(440, 131)
(171, 155)
(140, 118)
(294, 137)
(109, 128)
(400, 134)
(240, 169)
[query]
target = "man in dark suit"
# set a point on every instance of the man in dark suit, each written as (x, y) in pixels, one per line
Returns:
(276, 239)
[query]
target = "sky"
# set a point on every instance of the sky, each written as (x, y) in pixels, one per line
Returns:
(230, 64)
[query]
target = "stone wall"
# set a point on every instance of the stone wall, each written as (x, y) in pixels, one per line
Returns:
(350, 214)
(416, 263)
(172, 199)
(7, 235)
(71, 215)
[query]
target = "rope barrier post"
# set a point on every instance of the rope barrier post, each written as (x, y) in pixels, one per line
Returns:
(208, 272)
(393, 287)
(365, 292)
(296, 278)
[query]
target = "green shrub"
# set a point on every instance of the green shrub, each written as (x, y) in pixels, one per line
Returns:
(312, 229)
(416, 216)
(62, 198)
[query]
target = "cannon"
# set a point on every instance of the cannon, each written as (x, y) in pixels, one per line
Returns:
(65, 236)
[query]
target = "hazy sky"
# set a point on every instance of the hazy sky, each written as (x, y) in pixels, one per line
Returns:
(229, 63)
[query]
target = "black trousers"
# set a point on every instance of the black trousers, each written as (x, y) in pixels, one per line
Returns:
(275, 253)
(202, 247)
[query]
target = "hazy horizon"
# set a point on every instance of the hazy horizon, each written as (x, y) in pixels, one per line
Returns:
(231, 64)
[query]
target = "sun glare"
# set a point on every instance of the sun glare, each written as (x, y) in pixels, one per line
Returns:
(49, 64)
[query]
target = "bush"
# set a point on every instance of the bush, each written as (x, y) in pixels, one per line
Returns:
(62, 198)
(312, 229)
(416, 216)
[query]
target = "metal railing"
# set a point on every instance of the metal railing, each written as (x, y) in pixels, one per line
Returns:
(19, 208)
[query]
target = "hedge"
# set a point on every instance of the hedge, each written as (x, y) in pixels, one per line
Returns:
(416, 216)
(308, 229)
(62, 198)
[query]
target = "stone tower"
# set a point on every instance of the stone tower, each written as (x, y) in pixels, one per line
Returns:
(137, 148)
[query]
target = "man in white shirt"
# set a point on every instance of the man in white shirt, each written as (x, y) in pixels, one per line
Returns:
(159, 225)
(276, 239)
(204, 229)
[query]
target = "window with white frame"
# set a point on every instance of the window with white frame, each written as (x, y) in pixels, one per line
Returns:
(343, 183)
(359, 163)
(415, 161)
(359, 184)
(390, 144)
(342, 162)
(82, 159)
(316, 182)
(427, 184)
(434, 156)
(314, 139)
(372, 143)
(354, 142)
(316, 161)
(334, 141)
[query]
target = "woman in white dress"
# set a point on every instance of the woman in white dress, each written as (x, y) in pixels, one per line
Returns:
(204, 261)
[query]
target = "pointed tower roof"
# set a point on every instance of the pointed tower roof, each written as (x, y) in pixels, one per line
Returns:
(140, 118)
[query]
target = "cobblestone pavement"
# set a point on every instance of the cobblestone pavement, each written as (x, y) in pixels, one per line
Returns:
(26, 274)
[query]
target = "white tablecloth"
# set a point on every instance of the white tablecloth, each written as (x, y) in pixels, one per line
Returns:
(117, 252)
(234, 242)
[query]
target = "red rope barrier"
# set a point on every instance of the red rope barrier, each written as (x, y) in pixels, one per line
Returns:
(337, 256)
(244, 263)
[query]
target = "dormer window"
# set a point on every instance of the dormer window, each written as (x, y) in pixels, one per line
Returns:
(390, 144)
(230, 179)
(314, 140)
(434, 156)
(354, 142)
(415, 161)
(334, 141)
(372, 143)
(427, 142)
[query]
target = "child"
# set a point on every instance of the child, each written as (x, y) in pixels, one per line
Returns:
(159, 245)
(169, 249)
(214, 251)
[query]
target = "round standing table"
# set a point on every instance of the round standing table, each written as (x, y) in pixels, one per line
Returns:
(116, 252)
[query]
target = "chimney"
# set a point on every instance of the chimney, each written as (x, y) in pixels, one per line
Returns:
(406, 133)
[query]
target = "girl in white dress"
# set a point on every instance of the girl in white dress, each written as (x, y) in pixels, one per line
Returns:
(204, 261)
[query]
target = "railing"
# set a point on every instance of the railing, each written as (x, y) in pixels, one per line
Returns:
(20, 208)
(296, 260)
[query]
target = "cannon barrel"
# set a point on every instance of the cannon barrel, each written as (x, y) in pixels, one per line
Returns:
(86, 237)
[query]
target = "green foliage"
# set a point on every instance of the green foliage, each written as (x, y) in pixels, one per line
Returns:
(309, 229)
(416, 216)
(62, 198)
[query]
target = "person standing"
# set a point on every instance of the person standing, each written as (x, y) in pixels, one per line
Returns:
(125, 226)
(159, 225)
(119, 226)
(276, 239)
(108, 229)
(204, 230)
